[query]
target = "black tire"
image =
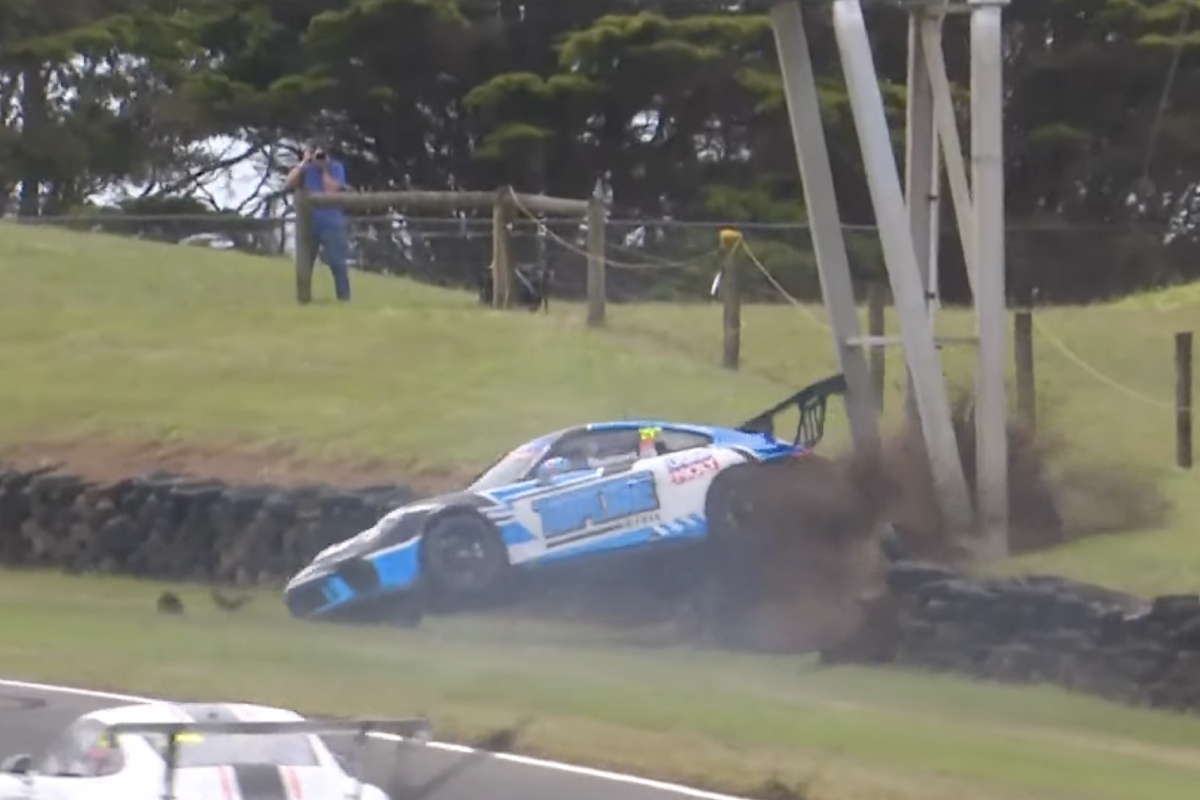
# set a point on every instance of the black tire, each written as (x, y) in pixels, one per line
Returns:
(724, 505)
(723, 590)
(464, 560)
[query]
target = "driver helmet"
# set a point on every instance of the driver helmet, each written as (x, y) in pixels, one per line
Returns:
(555, 466)
(648, 442)
(103, 756)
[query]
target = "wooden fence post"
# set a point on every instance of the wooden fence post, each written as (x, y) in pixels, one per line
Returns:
(305, 257)
(1023, 355)
(502, 266)
(731, 299)
(876, 356)
(597, 293)
(1183, 399)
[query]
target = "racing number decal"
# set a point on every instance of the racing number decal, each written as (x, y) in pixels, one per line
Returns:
(596, 509)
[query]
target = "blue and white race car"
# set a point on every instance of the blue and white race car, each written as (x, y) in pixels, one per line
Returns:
(622, 488)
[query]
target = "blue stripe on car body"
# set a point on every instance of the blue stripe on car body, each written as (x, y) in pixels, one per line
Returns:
(398, 566)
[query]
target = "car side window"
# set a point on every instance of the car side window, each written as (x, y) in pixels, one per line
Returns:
(591, 449)
(675, 441)
(82, 750)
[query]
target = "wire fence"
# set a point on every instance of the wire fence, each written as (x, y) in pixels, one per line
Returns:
(677, 261)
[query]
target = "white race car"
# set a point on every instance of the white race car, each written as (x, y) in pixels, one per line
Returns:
(197, 751)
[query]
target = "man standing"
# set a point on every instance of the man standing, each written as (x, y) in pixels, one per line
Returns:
(317, 172)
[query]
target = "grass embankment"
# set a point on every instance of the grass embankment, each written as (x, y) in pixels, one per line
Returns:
(717, 719)
(113, 349)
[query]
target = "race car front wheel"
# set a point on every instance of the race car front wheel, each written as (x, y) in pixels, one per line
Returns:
(464, 558)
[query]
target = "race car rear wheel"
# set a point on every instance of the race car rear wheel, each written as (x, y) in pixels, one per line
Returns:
(464, 559)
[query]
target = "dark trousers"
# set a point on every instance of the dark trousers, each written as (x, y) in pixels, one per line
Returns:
(330, 237)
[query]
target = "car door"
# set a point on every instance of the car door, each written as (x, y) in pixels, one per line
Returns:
(684, 470)
(600, 498)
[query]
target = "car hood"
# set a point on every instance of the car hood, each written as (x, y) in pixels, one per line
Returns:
(396, 527)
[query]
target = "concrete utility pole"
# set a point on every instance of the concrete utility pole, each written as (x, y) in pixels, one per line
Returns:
(908, 229)
(922, 181)
(987, 178)
(824, 222)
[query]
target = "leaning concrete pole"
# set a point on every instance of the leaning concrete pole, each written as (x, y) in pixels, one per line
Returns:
(908, 289)
(922, 180)
(833, 264)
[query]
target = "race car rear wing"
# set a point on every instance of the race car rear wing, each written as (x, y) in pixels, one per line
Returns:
(416, 731)
(810, 402)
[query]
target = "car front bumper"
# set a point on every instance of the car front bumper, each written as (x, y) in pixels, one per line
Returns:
(325, 588)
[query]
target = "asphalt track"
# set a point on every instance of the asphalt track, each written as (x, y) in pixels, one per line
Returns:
(32, 714)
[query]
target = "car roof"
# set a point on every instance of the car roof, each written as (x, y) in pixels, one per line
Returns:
(720, 434)
(190, 712)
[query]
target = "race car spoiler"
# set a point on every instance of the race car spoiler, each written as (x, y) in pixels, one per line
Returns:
(414, 730)
(810, 402)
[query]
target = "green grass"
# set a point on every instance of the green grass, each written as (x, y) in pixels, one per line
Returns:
(108, 341)
(130, 342)
(708, 718)
(135, 341)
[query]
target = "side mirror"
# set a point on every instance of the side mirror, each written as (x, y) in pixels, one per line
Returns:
(20, 764)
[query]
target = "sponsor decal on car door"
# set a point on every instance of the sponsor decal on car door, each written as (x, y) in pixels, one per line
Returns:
(611, 505)
(684, 478)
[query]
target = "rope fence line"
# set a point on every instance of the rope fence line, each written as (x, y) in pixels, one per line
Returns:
(1078, 360)
(708, 260)
(804, 309)
(653, 262)
(1028, 323)
(1055, 341)
(742, 245)
(669, 264)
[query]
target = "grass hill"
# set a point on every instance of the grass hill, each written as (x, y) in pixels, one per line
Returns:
(122, 353)
(117, 355)
(129, 344)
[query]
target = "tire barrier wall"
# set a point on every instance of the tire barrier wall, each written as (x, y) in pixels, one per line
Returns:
(170, 527)
(1025, 629)
(1035, 629)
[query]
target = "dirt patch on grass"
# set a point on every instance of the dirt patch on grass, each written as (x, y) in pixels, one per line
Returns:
(277, 464)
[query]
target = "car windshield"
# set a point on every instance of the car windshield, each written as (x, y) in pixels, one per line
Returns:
(232, 749)
(513, 466)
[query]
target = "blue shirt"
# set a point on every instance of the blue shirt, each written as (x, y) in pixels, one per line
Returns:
(311, 181)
